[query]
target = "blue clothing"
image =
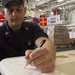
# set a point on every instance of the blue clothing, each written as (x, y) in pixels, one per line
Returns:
(16, 43)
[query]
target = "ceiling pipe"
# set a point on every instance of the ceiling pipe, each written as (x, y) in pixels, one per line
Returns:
(63, 4)
(59, 5)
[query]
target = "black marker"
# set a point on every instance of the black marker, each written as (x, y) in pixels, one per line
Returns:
(40, 45)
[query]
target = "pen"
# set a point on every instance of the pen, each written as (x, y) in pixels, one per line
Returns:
(40, 45)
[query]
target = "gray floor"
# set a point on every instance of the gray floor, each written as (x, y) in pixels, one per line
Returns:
(66, 48)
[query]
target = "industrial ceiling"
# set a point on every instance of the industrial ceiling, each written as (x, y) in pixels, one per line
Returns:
(46, 5)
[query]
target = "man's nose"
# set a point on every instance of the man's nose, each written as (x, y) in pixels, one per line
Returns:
(15, 13)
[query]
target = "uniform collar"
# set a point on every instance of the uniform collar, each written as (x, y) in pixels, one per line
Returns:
(6, 30)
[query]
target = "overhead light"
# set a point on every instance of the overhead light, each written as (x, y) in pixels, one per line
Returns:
(60, 0)
(40, 10)
(37, 0)
(60, 8)
(33, 6)
(42, 13)
(51, 13)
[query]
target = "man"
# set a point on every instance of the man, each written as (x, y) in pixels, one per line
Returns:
(18, 38)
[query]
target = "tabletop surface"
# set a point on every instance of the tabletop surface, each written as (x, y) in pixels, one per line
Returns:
(65, 62)
(65, 65)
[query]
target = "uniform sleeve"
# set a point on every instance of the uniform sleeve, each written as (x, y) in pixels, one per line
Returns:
(35, 30)
(38, 32)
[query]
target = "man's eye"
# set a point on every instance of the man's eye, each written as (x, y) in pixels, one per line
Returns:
(18, 10)
(10, 11)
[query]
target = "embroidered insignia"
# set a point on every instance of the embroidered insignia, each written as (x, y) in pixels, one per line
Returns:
(27, 28)
(6, 33)
(29, 43)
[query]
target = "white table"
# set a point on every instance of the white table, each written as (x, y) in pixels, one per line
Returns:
(65, 65)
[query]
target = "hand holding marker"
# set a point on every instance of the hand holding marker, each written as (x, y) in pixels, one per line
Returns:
(40, 45)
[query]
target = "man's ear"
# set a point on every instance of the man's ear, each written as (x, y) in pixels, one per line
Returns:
(2, 12)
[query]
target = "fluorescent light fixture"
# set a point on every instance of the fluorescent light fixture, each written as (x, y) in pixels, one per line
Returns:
(60, 0)
(37, 0)
(42, 13)
(40, 10)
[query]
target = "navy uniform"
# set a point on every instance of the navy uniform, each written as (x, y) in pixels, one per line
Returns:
(16, 43)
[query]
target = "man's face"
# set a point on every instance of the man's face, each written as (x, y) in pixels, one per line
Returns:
(14, 13)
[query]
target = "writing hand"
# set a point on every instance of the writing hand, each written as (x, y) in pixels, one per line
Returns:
(41, 59)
